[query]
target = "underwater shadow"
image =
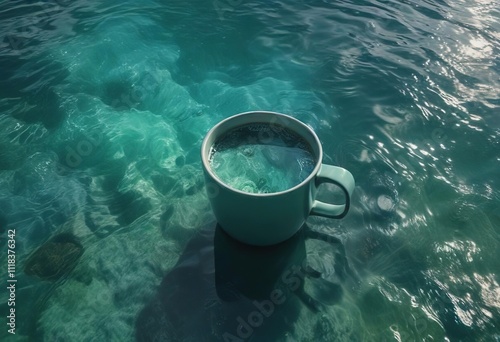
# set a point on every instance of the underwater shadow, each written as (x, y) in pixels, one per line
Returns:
(223, 290)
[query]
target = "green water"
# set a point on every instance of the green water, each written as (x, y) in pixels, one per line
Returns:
(261, 159)
(103, 108)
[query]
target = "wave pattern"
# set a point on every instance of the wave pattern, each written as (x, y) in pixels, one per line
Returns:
(103, 107)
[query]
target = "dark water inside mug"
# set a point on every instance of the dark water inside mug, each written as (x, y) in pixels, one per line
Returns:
(261, 158)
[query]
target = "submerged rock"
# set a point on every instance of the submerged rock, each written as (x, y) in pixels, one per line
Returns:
(54, 258)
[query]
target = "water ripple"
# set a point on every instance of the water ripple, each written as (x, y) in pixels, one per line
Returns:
(103, 107)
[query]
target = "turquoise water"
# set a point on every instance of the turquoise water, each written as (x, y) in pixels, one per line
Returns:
(103, 107)
(262, 159)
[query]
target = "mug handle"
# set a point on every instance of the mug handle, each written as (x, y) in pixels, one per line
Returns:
(340, 177)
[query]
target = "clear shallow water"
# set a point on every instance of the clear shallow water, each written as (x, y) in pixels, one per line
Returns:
(258, 158)
(103, 109)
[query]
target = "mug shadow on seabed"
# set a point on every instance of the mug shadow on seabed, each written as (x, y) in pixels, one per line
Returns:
(223, 290)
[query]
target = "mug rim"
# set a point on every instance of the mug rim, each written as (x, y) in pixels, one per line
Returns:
(314, 172)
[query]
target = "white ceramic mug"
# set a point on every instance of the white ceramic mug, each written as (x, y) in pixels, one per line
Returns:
(268, 218)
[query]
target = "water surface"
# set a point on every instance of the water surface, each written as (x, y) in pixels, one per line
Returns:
(103, 107)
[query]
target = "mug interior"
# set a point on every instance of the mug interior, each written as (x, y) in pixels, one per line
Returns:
(273, 120)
